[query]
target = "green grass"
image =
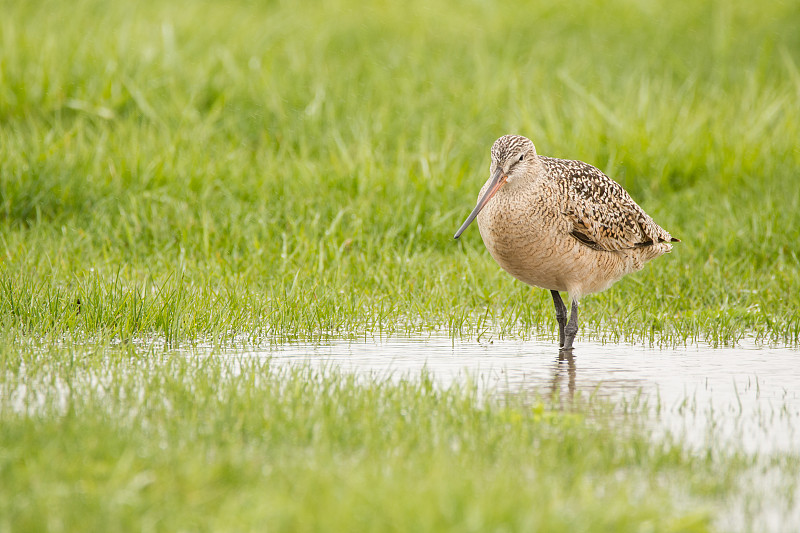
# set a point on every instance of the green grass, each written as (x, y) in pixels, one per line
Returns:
(198, 170)
(195, 172)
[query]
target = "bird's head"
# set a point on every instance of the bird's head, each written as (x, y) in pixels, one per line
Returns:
(513, 156)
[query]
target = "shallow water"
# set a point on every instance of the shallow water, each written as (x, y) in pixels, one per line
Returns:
(748, 395)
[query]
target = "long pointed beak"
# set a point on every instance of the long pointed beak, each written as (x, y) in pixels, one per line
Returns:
(498, 179)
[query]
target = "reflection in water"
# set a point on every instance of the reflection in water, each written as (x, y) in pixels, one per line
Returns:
(565, 364)
(749, 395)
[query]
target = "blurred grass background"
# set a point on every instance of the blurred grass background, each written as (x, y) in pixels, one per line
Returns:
(295, 169)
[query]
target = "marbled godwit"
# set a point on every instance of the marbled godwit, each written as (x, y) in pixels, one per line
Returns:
(561, 225)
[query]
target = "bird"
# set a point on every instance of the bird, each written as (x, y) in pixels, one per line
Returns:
(561, 225)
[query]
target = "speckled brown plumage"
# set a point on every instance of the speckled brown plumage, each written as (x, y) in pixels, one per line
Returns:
(603, 214)
(561, 225)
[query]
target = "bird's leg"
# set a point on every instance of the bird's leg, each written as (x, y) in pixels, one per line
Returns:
(571, 329)
(561, 316)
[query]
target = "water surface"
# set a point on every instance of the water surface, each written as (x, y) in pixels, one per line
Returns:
(748, 394)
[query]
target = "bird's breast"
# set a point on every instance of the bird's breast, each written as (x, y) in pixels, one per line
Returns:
(524, 233)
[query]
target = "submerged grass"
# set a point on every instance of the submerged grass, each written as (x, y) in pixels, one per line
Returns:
(160, 441)
(192, 169)
(127, 438)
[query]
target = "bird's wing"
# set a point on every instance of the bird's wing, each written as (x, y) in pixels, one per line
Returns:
(603, 215)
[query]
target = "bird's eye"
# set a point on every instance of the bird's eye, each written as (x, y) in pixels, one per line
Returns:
(521, 157)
